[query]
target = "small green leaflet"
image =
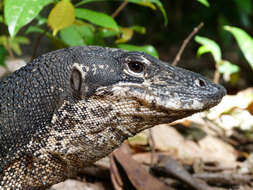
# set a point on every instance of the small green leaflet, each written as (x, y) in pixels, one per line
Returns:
(2, 55)
(97, 18)
(147, 49)
(150, 3)
(208, 46)
(244, 41)
(204, 2)
(227, 67)
(147, 3)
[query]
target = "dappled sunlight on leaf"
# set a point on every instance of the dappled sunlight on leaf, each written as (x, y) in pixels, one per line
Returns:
(19, 13)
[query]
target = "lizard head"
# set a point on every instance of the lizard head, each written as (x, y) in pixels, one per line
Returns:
(138, 85)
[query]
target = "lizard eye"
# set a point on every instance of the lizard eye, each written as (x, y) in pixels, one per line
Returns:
(200, 82)
(136, 67)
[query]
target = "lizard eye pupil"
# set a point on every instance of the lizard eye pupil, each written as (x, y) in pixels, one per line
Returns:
(136, 67)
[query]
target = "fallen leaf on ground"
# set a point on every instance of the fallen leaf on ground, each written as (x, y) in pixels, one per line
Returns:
(138, 176)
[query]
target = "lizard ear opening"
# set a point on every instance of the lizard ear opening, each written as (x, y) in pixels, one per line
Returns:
(76, 80)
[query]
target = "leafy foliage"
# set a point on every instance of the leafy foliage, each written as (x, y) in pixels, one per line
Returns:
(73, 24)
(76, 26)
(97, 18)
(210, 46)
(2, 55)
(147, 49)
(244, 41)
(13, 43)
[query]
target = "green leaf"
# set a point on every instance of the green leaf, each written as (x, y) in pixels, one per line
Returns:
(126, 35)
(20, 12)
(15, 43)
(204, 2)
(61, 16)
(87, 34)
(82, 23)
(88, 1)
(41, 20)
(160, 6)
(36, 29)
(77, 35)
(71, 36)
(1, 19)
(97, 18)
(244, 6)
(202, 50)
(149, 3)
(208, 46)
(244, 41)
(2, 55)
(16, 48)
(105, 33)
(147, 49)
(139, 29)
(4, 41)
(20, 40)
(227, 67)
(145, 3)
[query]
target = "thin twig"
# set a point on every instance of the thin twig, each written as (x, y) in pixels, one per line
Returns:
(216, 74)
(119, 9)
(37, 43)
(186, 41)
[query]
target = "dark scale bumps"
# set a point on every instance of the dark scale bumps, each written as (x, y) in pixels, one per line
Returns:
(68, 108)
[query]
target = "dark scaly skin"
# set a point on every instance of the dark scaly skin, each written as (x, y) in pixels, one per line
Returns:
(71, 107)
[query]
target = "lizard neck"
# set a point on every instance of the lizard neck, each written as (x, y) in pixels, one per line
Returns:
(28, 99)
(83, 131)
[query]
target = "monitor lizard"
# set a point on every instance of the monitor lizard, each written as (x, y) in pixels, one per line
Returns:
(70, 107)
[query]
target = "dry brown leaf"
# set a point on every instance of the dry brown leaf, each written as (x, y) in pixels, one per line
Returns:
(250, 108)
(138, 176)
(115, 175)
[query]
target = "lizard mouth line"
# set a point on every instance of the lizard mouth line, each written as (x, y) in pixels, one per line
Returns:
(170, 99)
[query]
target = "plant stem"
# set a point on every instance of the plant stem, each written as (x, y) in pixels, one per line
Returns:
(119, 9)
(186, 41)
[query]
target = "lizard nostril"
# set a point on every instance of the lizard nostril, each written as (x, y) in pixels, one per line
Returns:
(200, 82)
